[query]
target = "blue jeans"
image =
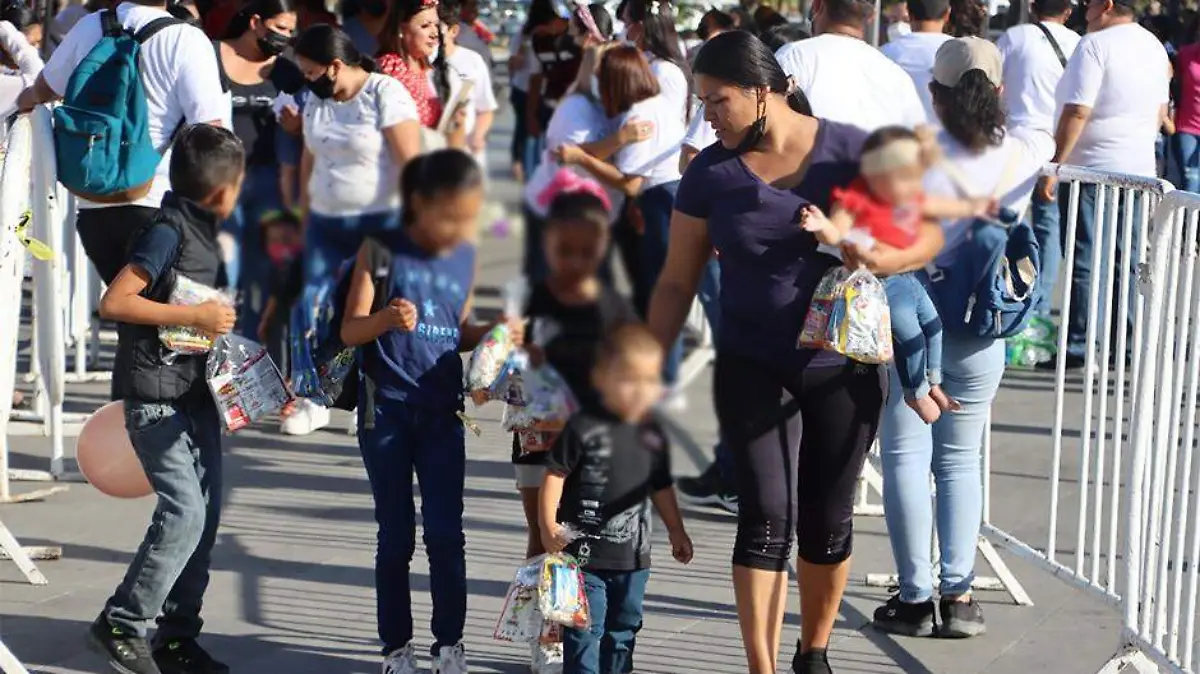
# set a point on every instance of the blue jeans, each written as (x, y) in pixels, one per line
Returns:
(656, 204)
(1186, 148)
(329, 240)
(249, 270)
(405, 439)
(615, 602)
(1045, 221)
(1081, 276)
(916, 333)
(179, 445)
(950, 449)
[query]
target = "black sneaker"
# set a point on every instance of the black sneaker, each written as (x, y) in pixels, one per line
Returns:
(126, 653)
(815, 661)
(960, 619)
(708, 489)
(910, 620)
(186, 657)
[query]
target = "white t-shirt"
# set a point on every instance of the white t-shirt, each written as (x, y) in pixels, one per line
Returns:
(578, 119)
(672, 83)
(1011, 169)
(470, 67)
(469, 39)
(519, 78)
(699, 133)
(847, 80)
(1121, 74)
(915, 52)
(1032, 71)
(179, 74)
(354, 171)
(655, 159)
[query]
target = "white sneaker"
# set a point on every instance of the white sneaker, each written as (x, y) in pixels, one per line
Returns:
(352, 427)
(306, 418)
(450, 660)
(675, 400)
(403, 661)
(546, 658)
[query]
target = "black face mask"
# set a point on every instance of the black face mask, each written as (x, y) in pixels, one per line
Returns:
(274, 43)
(322, 87)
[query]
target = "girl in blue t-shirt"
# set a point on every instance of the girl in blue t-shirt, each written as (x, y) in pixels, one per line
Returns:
(411, 357)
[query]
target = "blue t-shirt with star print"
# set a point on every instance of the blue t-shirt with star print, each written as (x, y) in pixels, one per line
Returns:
(423, 367)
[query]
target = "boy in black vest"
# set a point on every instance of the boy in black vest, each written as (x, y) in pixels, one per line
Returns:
(606, 468)
(169, 411)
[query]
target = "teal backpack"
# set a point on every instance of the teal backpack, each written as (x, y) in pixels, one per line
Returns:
(102, 129)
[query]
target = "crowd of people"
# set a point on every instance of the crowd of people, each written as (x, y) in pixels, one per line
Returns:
(298, 146)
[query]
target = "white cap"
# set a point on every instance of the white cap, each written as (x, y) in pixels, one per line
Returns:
(960, 56)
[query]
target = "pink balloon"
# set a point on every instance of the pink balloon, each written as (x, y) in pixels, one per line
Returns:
(106, 457)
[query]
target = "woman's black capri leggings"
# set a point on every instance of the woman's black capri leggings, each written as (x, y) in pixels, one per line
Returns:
(797, 463)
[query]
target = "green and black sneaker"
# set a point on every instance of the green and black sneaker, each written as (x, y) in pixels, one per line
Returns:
(126, 653)
(185, 656)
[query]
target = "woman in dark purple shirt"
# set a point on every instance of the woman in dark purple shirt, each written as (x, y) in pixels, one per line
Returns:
(799, 422)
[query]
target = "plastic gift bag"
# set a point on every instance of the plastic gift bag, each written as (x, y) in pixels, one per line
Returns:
(860, 324)
(490, 359)
(561, 595)
(816, 323)
(185, 340)
(549, 402)
(521, 619)
(245, 382)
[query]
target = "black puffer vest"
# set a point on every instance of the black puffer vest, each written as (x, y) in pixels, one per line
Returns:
(140, 371)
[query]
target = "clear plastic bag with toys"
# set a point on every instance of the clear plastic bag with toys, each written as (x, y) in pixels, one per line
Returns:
(561, 594)
(490, 362)
(245, 382)
(184, 340)
(860, 323)
(549, 403)
(521, 618)
(816, 323)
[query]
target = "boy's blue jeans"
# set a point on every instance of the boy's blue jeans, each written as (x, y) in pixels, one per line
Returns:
(916, 333)
(431, 443)
(179, 445)
(615, 602)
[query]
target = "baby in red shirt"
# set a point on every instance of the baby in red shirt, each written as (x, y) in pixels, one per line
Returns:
(885, 206)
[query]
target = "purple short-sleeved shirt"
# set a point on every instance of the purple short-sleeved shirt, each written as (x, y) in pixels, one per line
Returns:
(769, 265)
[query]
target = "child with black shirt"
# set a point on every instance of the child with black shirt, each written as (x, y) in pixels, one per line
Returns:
(172, 420)
(569, 313)
(605, 469)
(283, 244)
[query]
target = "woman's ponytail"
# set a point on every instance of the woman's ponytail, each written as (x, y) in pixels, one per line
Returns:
(798, 102)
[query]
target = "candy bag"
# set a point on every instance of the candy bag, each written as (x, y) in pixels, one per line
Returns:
(816, 322)
(860, 323)
(549, 402)
(521, 618)
(561, 593)
(490, 359)
(245, 382)
(185, 340)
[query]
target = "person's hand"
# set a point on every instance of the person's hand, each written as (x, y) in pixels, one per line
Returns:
(290, 120)
(477, 143)
(401, 315)
(878, 259)
(516, 330)
(459, 120)
(26, 100)
(1046, 188)
(552, 539)
(681, 545)
(635, 131)
(567, 154)
(813, 220)
(984, 207)
(214, 318)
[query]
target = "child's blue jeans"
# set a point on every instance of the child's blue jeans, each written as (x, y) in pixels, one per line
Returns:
(916, 333)
(179, 445)
(615, 602)
(431, 443)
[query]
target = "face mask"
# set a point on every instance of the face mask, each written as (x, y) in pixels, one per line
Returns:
(898, 29)
(273, 44)
(282, 253)
(322, 87)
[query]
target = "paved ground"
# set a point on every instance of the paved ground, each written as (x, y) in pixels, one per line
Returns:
(292, 583)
